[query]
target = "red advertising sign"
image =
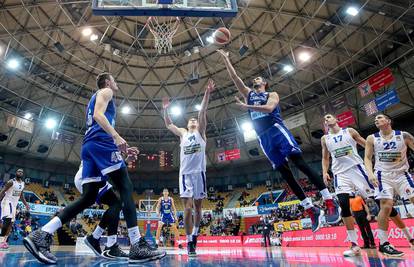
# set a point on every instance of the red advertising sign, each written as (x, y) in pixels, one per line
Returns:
(232, 154)
(336, 236)
(376, 82)
(345, 118)
(214, 241)
(381, 79)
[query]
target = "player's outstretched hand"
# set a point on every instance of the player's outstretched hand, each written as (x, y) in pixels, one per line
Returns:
(223, 53)
(240, 103)
(165, 102)
(211, 85)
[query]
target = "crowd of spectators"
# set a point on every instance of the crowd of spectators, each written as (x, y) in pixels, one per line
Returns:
(24, 224)
(49, 198)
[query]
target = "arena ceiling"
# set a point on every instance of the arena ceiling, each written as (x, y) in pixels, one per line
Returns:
(58, 65)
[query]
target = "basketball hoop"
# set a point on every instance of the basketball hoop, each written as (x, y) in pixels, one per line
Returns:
(163, 31)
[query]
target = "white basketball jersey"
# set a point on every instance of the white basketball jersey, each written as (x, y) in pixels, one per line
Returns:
(193, 153)
(390, 155)
(12, 195)
(343, 149)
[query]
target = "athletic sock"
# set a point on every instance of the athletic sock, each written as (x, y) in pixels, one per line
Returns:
(110, 241)
(195, 230)
(133, 234)
(383, 236)
(189, 238)
(97, 233)
(352, 236)
(407, 234)
(326, 194)
(52, 226)
(306, 203)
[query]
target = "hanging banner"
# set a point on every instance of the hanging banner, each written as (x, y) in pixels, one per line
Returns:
(386, 100)
(370, 108)
(325, 108)
(376, 82)
(295, 121)
(221, 156)
(339, 103)
(345, 119)
(64, 137)
(19, 123)
(232, 154)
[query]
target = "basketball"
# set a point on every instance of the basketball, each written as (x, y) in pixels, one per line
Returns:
(222, 36)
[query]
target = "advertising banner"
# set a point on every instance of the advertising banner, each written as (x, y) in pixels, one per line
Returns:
(387, 99)
(345, 119)
(266, 209)
(295, 121)
(214, 241)
(288, 225)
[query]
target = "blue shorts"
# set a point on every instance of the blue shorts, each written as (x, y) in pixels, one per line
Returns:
(278, 143)
(100, 157)
(167, 218)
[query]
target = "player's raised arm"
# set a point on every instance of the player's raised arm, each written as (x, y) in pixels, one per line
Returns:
(243, 89)
(325, 161)
(167, 120)
(369, 152)
(409, 140)
(202, 114)
(103, 97)
(357, 137)
(271, 104)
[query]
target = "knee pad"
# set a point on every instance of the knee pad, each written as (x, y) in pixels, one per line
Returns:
(344, 204)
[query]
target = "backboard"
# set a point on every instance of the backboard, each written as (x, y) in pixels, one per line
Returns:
(178, 8)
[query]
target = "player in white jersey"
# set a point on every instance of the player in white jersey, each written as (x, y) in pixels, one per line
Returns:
(192, 181)
(390, 173)
(348, 170)
(10, 195)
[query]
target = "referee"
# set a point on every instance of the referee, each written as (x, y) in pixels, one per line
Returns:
(362, 217)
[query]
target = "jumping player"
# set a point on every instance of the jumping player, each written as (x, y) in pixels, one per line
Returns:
(348, 170)
(192, 179)
(166, 211)
(279, 145)
(101, 157)
(390, 173)
(10, 195)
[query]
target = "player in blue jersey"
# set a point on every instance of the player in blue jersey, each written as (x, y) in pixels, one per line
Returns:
(278, 143)
(101, 157)
(166, 211)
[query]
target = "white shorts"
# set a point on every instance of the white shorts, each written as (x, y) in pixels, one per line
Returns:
(353, 180)
(7, 210)
(389, 183)
(193, 185)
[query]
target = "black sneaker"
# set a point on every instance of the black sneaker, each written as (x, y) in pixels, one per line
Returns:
(114, 252)
(143, 242)
(93, 244)
(191, 249)
(141, 252)
(388, 250)
(38, 244)
(195, 241)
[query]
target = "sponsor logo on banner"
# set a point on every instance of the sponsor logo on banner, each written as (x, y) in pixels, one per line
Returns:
(232, 154)
(370, 108)
(376, 82)
(220, 156)
(288, 225)
(345, 119)
(289, 203)
(21, 124)
(295, 121)
(266, 209)
(386, 100)
(336, 236)
(214, 241)
(244, 212)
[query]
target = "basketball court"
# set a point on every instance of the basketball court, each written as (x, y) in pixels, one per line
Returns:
(350, 58)
(306, 256)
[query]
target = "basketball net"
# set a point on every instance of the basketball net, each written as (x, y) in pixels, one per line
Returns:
(163, 32)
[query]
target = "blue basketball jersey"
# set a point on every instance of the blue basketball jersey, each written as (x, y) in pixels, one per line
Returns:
(94, 130)
(166, 206)
(262, 121)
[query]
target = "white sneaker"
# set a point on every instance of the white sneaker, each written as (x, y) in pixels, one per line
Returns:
(352, 251)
